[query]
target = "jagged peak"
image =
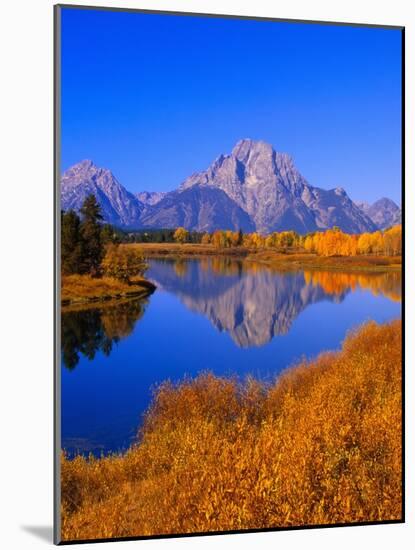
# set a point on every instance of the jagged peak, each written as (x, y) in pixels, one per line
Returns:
(219, 159)
(88, 169)
(84, 169)
(384, 201)
(86, 164)
(284, 160)
(246, 146)
(340, 191)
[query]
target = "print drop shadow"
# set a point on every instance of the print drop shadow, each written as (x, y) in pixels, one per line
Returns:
(43, 532)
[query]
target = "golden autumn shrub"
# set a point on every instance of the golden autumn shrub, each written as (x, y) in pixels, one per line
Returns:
(321, 445)
(122, 262)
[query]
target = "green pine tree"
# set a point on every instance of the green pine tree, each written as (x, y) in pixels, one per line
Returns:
(72, 248)
(91, 235)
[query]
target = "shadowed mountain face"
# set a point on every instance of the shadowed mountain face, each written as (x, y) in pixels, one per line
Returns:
(254, 188)
(253, 305)
(201, 209)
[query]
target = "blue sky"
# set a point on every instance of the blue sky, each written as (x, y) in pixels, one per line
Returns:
(155, 98)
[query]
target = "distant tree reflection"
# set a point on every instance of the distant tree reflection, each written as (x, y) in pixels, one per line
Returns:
(89, 330)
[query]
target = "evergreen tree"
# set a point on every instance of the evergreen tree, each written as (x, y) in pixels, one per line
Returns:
(240, 238)
(91, 235)
(71, 243)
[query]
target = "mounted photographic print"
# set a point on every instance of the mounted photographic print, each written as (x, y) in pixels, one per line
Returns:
(228, 274)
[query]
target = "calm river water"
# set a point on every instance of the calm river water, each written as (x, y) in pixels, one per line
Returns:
(211, 314)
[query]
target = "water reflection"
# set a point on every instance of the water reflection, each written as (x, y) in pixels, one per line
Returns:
(88, 330)
(380, 284)
(103, 398)
(250, 302)
(253, 303)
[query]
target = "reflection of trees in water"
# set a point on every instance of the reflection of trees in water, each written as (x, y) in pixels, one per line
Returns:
(92, 329)
(219, 265)
(226, 266)
(386, 284)
(180, 268)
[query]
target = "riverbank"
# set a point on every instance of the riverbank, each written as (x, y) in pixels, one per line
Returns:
(274, 259)
(322, 445)
(187, 250)
(83, 289)
(361, 263)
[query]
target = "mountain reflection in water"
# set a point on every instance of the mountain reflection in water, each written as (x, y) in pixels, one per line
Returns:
(253, 303)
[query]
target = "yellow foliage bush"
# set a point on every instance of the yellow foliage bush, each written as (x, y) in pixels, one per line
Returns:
(122, 262)
(320, 446)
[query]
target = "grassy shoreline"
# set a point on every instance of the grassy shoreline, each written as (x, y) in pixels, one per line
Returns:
(83, 289)
(274, 259)
(321, 445)
(327, 263)
(188, 250)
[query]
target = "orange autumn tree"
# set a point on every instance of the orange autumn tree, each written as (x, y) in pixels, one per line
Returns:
(392, 239)
(254, 240)
(226, 239)
(331, 242)
(181, 235)
(205, 238)
(218, 239)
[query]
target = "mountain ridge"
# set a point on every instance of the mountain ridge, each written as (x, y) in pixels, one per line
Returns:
(384, 212)
(119, 206)
(254, 188)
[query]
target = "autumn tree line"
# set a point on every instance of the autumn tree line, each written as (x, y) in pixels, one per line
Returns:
(90, 247)
(332, 242)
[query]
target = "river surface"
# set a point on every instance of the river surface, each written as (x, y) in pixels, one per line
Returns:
(206, 315)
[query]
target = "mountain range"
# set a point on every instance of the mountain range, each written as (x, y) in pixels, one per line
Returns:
(254, 188)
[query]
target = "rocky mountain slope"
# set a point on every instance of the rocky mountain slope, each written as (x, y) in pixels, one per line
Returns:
(119, 207)
(150, 197)
(200, 209)
(254, 188)
(268, 186)
(384, 213)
